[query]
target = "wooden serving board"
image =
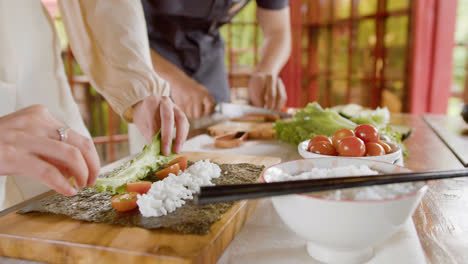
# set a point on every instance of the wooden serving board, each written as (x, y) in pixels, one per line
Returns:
(255, 130)
(59, 239)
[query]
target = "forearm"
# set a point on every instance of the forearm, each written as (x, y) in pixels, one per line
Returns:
(110, 43)
(276, 47)
(168, 71)
(193, 98)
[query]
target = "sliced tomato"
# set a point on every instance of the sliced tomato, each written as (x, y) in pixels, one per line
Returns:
(140, 187)
(340, 134)
(374, 149)
(182, 160)
(351, 147)
(125, 202)
(174, 169)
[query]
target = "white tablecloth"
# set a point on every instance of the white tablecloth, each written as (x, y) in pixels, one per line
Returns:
(266, 239)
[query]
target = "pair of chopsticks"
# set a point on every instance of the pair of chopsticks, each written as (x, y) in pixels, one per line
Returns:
(227, 193)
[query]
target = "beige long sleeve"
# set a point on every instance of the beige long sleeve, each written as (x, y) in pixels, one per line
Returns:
(110, 43)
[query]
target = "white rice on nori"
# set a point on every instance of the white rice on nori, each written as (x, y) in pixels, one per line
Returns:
(167, 195)
(92, 206)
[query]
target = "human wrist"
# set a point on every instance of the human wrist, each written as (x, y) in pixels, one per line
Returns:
(128, 114)
(126, 108)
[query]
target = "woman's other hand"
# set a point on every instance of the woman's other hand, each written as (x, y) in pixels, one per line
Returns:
(30, 146)
(267, 90)
(156, 113)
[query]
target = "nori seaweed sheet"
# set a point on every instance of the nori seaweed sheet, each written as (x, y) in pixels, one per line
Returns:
(92, 206)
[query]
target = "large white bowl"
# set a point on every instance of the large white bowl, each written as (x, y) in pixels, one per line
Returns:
(394, 157)
(343, 231)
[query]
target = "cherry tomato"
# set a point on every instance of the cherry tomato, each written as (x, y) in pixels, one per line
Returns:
(340, 134)
(124, 202)
(182, 160)
(140, 187)
(374, 149)
(174, 169)
(351, 147)
(322, 147)
(367, 133)
(385, 146)
(319, 138)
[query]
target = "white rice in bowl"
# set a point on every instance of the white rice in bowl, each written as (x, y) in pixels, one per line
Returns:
(376, 192)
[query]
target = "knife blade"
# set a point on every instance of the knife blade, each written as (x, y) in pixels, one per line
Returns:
(238, 110)
(207, 121)
(225, 111)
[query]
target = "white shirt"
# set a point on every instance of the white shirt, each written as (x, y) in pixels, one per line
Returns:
(109, 40)
(31, 72)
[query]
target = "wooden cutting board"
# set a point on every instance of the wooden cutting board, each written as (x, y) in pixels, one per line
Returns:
(255, 130)
(59, 239)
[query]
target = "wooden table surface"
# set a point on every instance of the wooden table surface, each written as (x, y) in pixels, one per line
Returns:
(441, 220)
(453, 131)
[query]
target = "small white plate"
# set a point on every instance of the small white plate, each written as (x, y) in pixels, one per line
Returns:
(393, 157)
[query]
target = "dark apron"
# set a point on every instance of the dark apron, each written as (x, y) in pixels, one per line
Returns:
(186, 33)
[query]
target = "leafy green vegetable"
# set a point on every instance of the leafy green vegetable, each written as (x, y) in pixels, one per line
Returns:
(379, 118)
(348, 110)
(311, 121)
(148, 161)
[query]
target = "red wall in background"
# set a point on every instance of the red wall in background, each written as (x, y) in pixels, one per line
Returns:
(430, 77)
(430, 57)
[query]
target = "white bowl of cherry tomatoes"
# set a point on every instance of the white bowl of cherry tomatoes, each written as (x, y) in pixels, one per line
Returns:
(362, 142)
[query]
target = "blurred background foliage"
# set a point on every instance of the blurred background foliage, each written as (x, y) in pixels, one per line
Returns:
(460, 58)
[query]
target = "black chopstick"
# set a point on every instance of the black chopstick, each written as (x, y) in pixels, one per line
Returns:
(227, 193)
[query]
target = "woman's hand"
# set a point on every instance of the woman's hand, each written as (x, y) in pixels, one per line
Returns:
(267, 90)
(30, 146)
(192, 98)
(156, 113)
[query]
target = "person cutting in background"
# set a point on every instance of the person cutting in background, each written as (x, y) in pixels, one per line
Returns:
(44, 139)
(188, 51)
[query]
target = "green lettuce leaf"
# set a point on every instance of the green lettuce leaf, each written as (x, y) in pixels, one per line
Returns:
(311, 121)
(147, 162)
(379, 118)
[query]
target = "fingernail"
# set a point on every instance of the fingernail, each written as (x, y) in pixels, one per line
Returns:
(72, 191)
(91, 184)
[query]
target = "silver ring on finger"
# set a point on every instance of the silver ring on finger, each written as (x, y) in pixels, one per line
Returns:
(63, 133)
